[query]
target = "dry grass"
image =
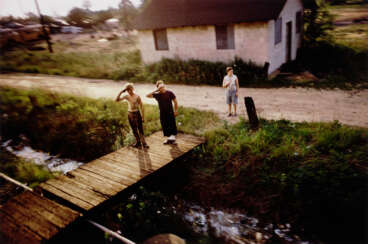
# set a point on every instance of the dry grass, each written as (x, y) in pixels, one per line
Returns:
(349, 12)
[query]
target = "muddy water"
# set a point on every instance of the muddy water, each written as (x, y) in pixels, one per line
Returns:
(20, 148)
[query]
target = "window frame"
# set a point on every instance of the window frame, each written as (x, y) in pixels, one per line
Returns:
(160, 37)
(278, 31)
(225, 37)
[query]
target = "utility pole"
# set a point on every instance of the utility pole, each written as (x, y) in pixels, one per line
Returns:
(45, 33)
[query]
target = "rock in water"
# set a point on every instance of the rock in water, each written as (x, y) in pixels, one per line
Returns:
(165, 239)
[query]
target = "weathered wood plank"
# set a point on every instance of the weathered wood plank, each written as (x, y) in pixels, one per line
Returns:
(13, 232)
(134, 167)
(70, 198)
(108, 173)
(63, 212)
(110, 183)
(103, 187)
(157, 162)
(133, 176)
(32, 208)
(105, 178)
(35, 223)
(75, 189)
(88, 187)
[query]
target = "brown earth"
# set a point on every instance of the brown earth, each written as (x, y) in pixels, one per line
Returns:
(295, 104)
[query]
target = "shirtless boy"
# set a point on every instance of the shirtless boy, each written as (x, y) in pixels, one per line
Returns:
(135, 117)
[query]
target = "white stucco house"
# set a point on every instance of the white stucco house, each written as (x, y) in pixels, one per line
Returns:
(263, 31)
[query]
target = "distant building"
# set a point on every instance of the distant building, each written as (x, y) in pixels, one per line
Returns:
(112, 23)
(263, 31)
(71, 29)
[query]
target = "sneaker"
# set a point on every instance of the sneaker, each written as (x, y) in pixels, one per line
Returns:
(167, 142)
(145, 145)
(235, 115)
(229, 115)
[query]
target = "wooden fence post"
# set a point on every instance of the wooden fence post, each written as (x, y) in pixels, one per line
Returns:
(252, 113)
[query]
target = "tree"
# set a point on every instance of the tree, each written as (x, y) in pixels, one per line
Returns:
(101, 16)
(317, 21)
(79, 17)
(128, 14)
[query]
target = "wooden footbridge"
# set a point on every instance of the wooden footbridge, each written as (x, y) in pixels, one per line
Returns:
(33, 217)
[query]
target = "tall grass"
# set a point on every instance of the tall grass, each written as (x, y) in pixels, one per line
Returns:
(314, 174)
(118, 65)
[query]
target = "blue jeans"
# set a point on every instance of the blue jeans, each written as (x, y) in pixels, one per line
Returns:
(231, 97)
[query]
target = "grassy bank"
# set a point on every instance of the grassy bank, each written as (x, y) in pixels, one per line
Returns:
(312, 175)
(81, 128)
(23, 171)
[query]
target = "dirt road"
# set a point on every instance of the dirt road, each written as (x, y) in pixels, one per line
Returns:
(295, 104)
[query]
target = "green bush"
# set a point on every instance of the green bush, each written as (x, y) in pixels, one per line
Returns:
(202, 72)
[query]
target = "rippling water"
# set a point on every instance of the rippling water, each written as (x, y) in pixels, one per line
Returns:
(237, 227)
(53, 163)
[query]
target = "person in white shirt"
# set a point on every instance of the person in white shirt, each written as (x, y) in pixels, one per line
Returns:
(231, 83)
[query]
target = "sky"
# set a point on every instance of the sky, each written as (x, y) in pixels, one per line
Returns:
(19, 8)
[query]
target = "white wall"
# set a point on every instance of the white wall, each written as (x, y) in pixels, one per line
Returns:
(253, 41)
(200, 43)
(278, 52)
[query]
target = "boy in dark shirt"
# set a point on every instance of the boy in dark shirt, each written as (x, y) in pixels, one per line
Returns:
(165, 99)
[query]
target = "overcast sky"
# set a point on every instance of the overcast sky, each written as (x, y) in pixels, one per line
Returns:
(53, 7)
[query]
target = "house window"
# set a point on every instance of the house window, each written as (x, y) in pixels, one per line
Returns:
(298, 21)
(161, 39)
(225, 37)
(278, 31)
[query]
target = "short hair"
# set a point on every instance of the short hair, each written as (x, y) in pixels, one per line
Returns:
(129, 86)
(228, 69)
(159, 82)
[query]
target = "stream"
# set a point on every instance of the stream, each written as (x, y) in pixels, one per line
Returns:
(224, 226)
(20, 148)
(235, 227)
